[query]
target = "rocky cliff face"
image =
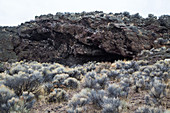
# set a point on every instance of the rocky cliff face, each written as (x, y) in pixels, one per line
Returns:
(75, 38)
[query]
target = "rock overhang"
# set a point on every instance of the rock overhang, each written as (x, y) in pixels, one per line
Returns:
(80, 37)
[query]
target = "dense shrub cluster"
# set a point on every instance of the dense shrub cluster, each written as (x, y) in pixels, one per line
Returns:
(105, 87)
(127, 75)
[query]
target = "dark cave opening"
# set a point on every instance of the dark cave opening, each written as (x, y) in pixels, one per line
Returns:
(81, 59)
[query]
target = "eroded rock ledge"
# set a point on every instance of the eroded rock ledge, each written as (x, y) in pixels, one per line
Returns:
(76, 38)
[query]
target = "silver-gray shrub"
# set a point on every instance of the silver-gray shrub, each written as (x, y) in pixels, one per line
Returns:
(17, 105)
(24, 82)
(110, 105)
(102, 81)
(131, 65)
(158, 90)
(90, 66)
(148, 109)
(94, 80)
(79, 100)
(110, 73)
(47, 87)
(59, 79)
(16, 68)
(57, 95)
(76, 73)
(114, 90)
(72, 83)
(5, 95)
(29, 99)
(47, 74)
(127, 65)
(96, 97)
(77, 110)
(90, 79)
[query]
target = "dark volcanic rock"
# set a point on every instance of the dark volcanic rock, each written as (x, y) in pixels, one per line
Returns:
(6, 46)
(73, 38)
(160, 52)
(2, 69)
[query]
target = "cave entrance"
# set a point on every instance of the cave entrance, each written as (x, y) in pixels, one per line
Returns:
(58, 47)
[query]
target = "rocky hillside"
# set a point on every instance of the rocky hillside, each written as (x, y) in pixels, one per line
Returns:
(76, 38)
(86, 63)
